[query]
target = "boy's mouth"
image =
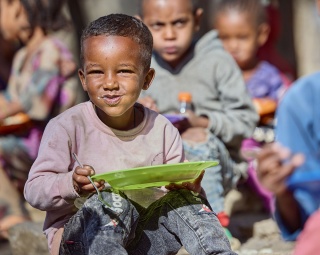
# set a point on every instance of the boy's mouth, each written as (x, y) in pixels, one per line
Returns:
(111, 99)
(171, 50)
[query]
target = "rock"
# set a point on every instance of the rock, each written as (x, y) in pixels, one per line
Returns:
(266, 229)
(28, 239)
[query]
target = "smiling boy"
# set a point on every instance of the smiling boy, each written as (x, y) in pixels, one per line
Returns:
(112, 132)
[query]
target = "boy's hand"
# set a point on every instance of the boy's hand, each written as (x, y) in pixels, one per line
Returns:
(197, 121)
(148, 102)
(193, 186)
(82, 184)
(182, 125)
(275, 164)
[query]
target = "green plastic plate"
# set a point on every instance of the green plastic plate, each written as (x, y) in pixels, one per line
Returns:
(154, 176)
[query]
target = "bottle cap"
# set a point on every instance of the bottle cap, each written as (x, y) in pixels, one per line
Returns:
(185, 96)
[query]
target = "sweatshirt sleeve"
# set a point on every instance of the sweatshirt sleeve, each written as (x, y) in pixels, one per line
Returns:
(173, 143)
(237, 117)
(49, 185)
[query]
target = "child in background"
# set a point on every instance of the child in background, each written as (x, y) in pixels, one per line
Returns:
(6, 55)
(243, 29)
(223, 111)
(292, 158)
(37, 88)
(116, 54)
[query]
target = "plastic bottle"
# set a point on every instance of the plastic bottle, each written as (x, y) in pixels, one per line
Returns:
(185, 99)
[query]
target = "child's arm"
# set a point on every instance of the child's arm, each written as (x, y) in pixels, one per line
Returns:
(237, 117)
(8, 109)
(273, 174)
(50, 183)
(176, 154)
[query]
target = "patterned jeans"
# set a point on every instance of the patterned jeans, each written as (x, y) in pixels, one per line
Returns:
(220, 179)
(179, 218)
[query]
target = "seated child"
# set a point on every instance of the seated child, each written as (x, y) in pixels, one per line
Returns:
(111, 132)
(223, 111)
(36, 89)
(296, 151)
(243, 29)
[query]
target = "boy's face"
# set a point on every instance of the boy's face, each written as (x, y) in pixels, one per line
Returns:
(13, 19)
(113, 75)
(240, 36)
(173, 25)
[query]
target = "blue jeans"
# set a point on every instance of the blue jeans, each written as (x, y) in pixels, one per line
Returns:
(220, 179)
(179, 218)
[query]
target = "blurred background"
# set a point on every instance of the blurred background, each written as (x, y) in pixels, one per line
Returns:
(293, 45)
(296, 26)
(295, 30)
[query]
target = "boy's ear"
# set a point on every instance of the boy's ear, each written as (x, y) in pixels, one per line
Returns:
(263, 33)
(197, 18)
(82, 79)
(148, 79)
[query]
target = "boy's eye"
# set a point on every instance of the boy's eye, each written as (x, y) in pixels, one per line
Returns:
(243, 37)
(125, 71)
(223, 37)
(95, 72)
(156, 26)
(180, 23)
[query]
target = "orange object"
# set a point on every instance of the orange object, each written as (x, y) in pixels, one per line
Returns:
(266, 109)
(15, 123)
(265, 106)
(185, 96)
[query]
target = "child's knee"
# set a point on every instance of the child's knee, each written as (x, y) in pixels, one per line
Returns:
(183, 197)
(117, 203)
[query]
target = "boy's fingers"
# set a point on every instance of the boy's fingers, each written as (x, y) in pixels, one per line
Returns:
(81, 179)
(89, 187)
(101, 187)
(84, 171)
(297, 160)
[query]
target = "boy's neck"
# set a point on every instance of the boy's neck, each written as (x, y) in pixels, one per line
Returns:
(250, 69)
(135, 119)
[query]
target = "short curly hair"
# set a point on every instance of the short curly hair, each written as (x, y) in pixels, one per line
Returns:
(121, 25)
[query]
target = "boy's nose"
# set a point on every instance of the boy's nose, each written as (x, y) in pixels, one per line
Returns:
(110, 83)
(169, 33)
(233, 45)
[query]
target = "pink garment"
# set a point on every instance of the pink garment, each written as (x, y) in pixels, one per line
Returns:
(308, 241)
(49, 187)
(251, 146)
